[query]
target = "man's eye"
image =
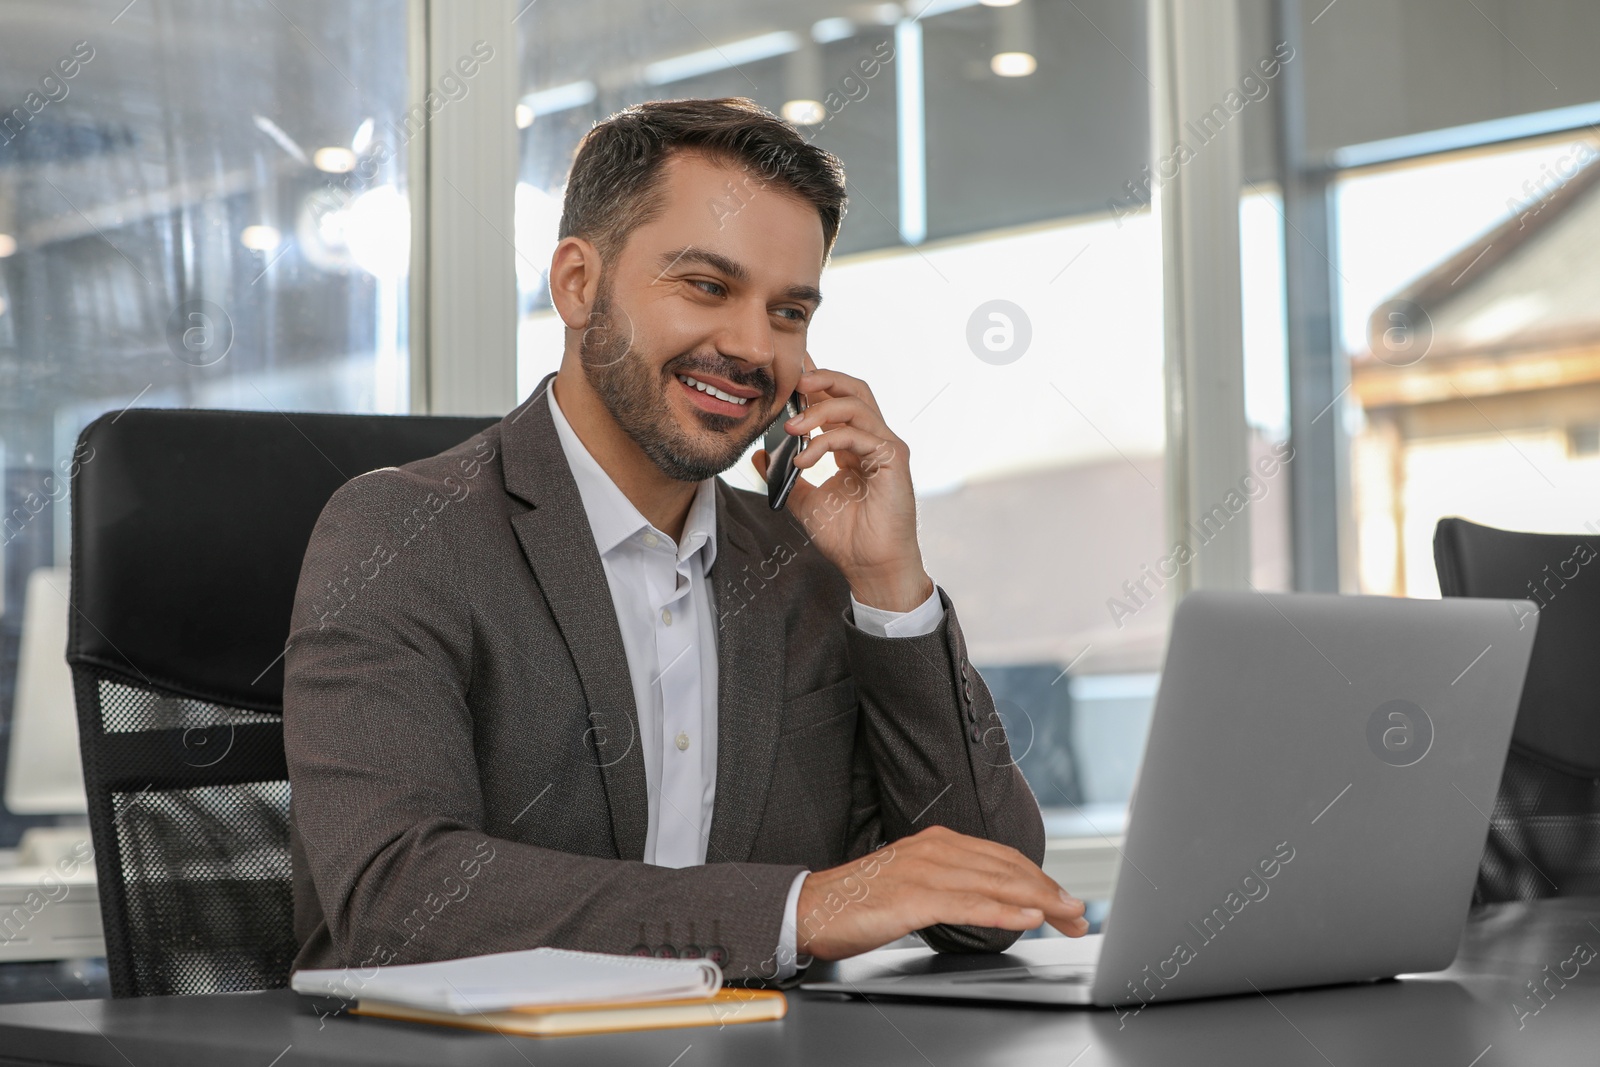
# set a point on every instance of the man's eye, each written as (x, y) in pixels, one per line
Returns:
(799, 316)
(714, 285)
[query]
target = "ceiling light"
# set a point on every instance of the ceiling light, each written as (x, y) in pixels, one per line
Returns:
(802, 76)
(1014, 40)
(524, 115)
(260, 238)
(804, 112)
(1013, 64)
(8, 245)
(560, 97)
(722, 57)
(335, 159)
(825, 31)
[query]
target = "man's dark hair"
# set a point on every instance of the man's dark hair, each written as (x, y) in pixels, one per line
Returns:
(615, 183)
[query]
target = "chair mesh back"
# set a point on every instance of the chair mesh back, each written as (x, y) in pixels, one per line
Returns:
(1544, 835)
(202, 900)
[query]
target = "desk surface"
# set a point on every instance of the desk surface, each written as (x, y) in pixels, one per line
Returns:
(1463, 1017)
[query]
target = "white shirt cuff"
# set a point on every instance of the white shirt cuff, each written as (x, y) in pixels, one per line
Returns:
(920, 620)
(787, 954)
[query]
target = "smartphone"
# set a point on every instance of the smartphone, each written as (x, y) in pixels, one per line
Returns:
(782, 448)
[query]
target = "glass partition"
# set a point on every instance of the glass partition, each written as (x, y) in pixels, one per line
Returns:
(202, 204)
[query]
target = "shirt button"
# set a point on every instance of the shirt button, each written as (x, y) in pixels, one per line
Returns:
(651, 540)
(666, 616)
(683, 741)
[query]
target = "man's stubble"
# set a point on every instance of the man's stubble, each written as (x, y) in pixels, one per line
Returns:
(636, 396)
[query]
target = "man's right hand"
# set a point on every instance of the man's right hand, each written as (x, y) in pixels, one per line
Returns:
(933, 876)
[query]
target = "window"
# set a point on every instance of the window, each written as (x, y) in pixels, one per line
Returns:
(1266, 385)
(1467, 284)
(199, 206)
(1002, 301)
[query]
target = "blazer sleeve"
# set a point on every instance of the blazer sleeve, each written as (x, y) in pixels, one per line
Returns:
(387, 804)
(936, 754)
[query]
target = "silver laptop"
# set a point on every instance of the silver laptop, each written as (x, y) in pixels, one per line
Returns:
(1311, 808)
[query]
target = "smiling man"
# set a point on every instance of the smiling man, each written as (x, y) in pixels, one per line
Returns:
(586, 694)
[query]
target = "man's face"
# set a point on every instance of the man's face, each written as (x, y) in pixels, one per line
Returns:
(715, 294)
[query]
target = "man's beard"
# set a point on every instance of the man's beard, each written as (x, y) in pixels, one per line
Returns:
(639, 403)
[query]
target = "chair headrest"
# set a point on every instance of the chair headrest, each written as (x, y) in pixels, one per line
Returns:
(1559, 717)
(188, 531)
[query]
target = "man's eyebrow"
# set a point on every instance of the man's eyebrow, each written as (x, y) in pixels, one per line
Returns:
(732, 268)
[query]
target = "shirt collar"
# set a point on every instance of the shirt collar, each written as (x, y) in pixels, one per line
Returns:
(612, 517)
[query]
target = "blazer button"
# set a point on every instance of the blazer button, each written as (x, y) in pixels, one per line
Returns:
(966, 687)
(972, 715)
(977, 734)
(714, 951)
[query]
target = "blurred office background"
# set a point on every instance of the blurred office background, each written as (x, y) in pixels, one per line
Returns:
(255, 204)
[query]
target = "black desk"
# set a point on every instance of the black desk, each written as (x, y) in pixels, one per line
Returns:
(1463, 1017)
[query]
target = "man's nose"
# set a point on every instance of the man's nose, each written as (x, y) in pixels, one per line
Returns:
(748, 336)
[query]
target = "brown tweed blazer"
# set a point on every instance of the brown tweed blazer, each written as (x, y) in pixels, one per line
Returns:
(462, 740)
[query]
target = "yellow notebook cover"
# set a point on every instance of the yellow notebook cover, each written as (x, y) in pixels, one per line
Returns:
(728, 1006)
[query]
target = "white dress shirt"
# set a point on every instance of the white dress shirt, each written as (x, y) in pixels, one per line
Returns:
(664, 608)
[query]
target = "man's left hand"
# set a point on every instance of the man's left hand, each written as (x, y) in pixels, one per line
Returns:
(864, 518)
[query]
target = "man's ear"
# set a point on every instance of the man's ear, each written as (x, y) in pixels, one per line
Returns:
(574, 280)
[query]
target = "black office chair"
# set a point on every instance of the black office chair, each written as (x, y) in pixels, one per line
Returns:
(1544, 837)
(188, 528)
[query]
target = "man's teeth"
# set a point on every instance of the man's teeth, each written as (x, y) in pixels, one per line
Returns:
(713, 390)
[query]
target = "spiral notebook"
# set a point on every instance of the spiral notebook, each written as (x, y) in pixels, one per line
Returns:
(531, 978)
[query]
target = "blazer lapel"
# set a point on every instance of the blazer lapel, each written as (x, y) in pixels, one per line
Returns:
(750, 666)
(559, 545)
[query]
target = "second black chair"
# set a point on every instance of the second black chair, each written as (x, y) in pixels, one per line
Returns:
(1544, 836)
